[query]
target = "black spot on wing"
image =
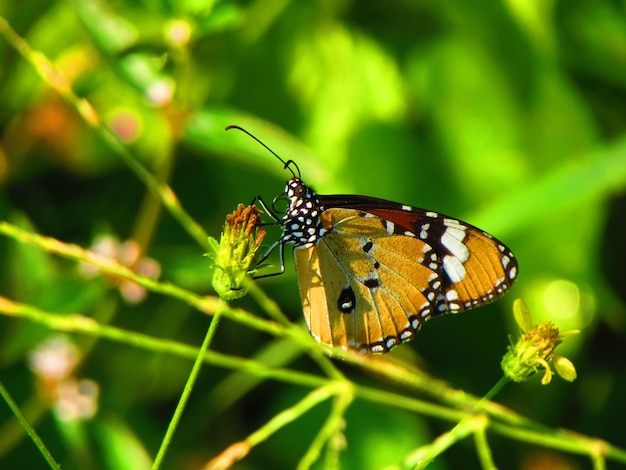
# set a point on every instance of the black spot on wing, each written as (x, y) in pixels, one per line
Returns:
(346, 302)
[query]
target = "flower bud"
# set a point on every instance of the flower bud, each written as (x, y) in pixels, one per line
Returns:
(237, 252)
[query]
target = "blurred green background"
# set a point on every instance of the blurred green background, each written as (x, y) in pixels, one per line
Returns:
(510, 115)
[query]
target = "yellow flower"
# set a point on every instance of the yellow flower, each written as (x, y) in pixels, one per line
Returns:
(534, 350)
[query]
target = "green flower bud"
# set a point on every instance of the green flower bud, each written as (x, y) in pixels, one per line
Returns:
(522, 315)
(564, 367)
(237, 252)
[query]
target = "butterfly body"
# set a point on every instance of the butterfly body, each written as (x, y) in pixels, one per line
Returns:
(372, 271)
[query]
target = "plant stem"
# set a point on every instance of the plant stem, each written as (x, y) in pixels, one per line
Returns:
(184, 398)
(29, 429)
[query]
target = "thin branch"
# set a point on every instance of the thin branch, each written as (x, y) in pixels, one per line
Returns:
(29, 429)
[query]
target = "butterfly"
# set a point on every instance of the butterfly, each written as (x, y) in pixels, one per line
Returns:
(372, 271)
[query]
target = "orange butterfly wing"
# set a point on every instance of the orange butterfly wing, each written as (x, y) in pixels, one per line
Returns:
(375, 275)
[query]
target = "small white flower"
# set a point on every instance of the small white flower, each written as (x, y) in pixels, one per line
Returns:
(55, 359)
(76, 399)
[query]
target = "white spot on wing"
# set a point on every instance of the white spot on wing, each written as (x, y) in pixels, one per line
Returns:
(406, 334)
(452, 239)
(453, 223)
(390, 227)
(452, 295)
(454, 268)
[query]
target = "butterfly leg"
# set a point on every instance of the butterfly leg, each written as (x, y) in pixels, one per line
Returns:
(258, 199)
(268, 211)
(265, 208)
(281, 256)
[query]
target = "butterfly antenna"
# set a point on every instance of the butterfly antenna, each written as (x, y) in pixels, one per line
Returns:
(287, 164)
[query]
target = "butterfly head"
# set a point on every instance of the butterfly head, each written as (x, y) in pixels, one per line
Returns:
(301, 222)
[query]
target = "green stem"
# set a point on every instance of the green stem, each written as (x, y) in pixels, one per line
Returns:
(184, 398)
(84, 325)
(240, 449)
(598, 462)
(29, 429)
(333, 427)
(504, 380)
(426, 454)
(12, 432)
(566, 441)
(470, 423)
(483, 450)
